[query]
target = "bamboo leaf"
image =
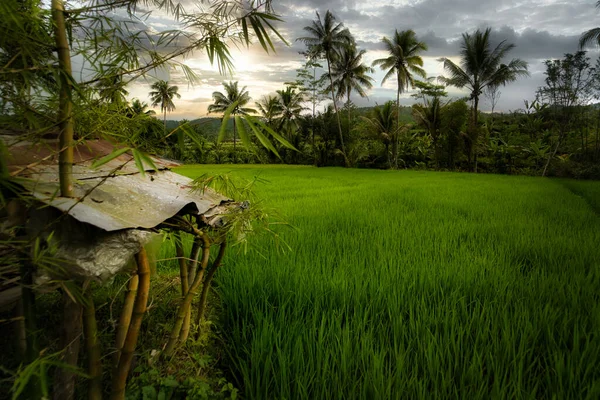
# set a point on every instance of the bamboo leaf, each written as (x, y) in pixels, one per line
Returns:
(257, 31)
(242, 131)
(139, 163)
(266, 35)
(226, 115)
(189, 132)
(262, 138)
(110, 157)
(181, 141)
(276, 135)
(276, 32)
(245, 32)
(148, 161)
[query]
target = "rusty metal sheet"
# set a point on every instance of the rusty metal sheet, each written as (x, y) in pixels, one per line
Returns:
(115, 196)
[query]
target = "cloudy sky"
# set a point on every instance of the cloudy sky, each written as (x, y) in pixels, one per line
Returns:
(540, 29)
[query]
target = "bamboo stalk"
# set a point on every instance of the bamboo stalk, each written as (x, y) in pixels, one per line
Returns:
(65, 107)
(185, 305)
(207, 283)
(141, 300)
(125, 318)
(90, 332)
(64, 379)
(183, 274)
(183, 267)
(195, 255)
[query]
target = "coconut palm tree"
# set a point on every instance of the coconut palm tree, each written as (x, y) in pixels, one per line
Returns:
(269, 108)
(138, 107)
(162, 94)
(233, 94)
(481, 67)
(429, 116)
(290, 105)
(403, 62)
(326, 39)
(591, 36)
(349, 73)
(381, 122)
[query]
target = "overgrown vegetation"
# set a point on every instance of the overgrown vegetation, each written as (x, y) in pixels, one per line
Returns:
(400, 284)
(44, 106)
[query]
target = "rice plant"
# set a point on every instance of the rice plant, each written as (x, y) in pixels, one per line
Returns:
(405, 284)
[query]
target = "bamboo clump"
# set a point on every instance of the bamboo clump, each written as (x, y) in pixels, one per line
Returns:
(186, 303)
(139, 308)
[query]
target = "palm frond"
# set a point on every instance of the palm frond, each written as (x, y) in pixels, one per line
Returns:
(590, 37)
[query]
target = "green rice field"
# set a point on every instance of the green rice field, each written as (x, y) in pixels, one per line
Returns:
(416, 285)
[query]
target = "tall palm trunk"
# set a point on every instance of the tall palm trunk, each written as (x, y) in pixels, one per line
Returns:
(349, 113)
(475, 131)
(312, 121)
(165, 120)
(387, 153)
(337, 114)
(395, 138)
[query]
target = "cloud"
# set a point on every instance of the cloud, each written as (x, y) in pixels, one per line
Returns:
(533, 44)
(540, 29)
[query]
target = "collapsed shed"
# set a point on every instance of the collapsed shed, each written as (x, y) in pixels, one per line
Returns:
(116, 208)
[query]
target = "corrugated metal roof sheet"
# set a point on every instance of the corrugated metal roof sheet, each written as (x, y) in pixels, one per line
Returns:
(115, 196)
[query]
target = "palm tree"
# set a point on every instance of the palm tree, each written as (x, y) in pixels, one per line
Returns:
(591, 36)
(138, 107)
(233, 94)
(326, 39)
(429, 116)
(290, 106)
(348, 73)
(482, 67)
(269, 108)
(162, 94)
(403, 61)
(382, 124)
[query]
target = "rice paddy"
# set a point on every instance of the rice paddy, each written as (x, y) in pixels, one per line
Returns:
(408, 284)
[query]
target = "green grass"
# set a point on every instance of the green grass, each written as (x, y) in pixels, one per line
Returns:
(416, 285)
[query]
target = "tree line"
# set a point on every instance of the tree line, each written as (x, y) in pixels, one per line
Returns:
(554, 133)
